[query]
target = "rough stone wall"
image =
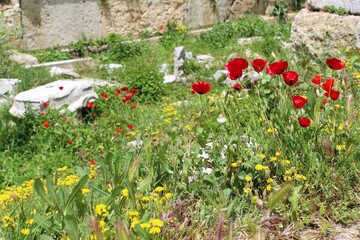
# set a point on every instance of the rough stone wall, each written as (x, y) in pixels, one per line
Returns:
(11, 13)
(47, 23)
(52, 22)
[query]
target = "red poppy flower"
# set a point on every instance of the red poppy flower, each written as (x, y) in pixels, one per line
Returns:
(118, 130)
(104, 113)
(290, 77)
(201, 87)
(61, 87)
(130, 127)
(117, 91)
(45, 104)
(237, 87)
(133, 106)
(70, 142)
(299, 101)
(149, 103)
(317, 79)
(235, 67)
(65, 118)
(42, 113)
(161, 28)
(116, 94)
(46, 124)
(328, 84)
(259, 64)
(94, 115)
(134, 91)
(129, 95)
(124, 88)
(104, 95)
(334, 95)
(92, 162)
(277, 68)
(304, 122)
(90, 105)
(335, 64)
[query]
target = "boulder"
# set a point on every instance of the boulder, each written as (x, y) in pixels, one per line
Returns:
(56, 71)
(23, 58)
(7, 87)
(204, 58)
(74, 94)
(179, 57)
(352, 5)
(169, 78)
(319, 32)
(111, 67)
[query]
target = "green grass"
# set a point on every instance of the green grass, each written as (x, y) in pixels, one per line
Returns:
(192, 177)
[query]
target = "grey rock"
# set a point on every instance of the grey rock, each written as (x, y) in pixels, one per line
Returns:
(7, 87)
(352, 5)
(74, 94)
(57, 71)
(169, 78)
(188, 55)
(243, 41)
(179, 57)
(220, 75)
(313, 32)
(204, 58)
(23, 58)
(111, 67)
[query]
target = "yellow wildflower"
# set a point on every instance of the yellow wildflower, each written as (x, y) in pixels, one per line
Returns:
(64, 168)
(270, 180)
(145, 225)
(125, 192)
(247, 190)
(268, 187)
(261, 156)
(341, 127)
(341, 147)
(134, 221)
(85, 191)
(101, 210)
(273, 159)
(154, 230)
(187, 127)
(25, 231)
(30, 221)
(248, 178)
(159, 189)
(156, 222)
(271, 130)
(255, 198)
(234, 164)
(277, 154)
(168, 195)
(145, 198)
(262, 119)
(133, 213)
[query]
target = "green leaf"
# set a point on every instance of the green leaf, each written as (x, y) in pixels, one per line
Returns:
(71, 226)
(45, 237)
(141, 232)
(45, 223)
(52, 194)
(39, 188)
(76, 191)
(278, 196)
(145, 184)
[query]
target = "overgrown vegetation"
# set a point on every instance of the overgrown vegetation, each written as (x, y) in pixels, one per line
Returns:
(155, 161)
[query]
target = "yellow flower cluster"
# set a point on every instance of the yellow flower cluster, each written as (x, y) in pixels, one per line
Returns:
(68, 180)
(10, 194)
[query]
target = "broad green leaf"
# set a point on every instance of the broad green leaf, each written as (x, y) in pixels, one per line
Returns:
(278, 196)
(45, 223)
(71, 226)
(141, 232)
(39, 188)
(145, 184)
(45, 237)
(76, 191)
(52, 194)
